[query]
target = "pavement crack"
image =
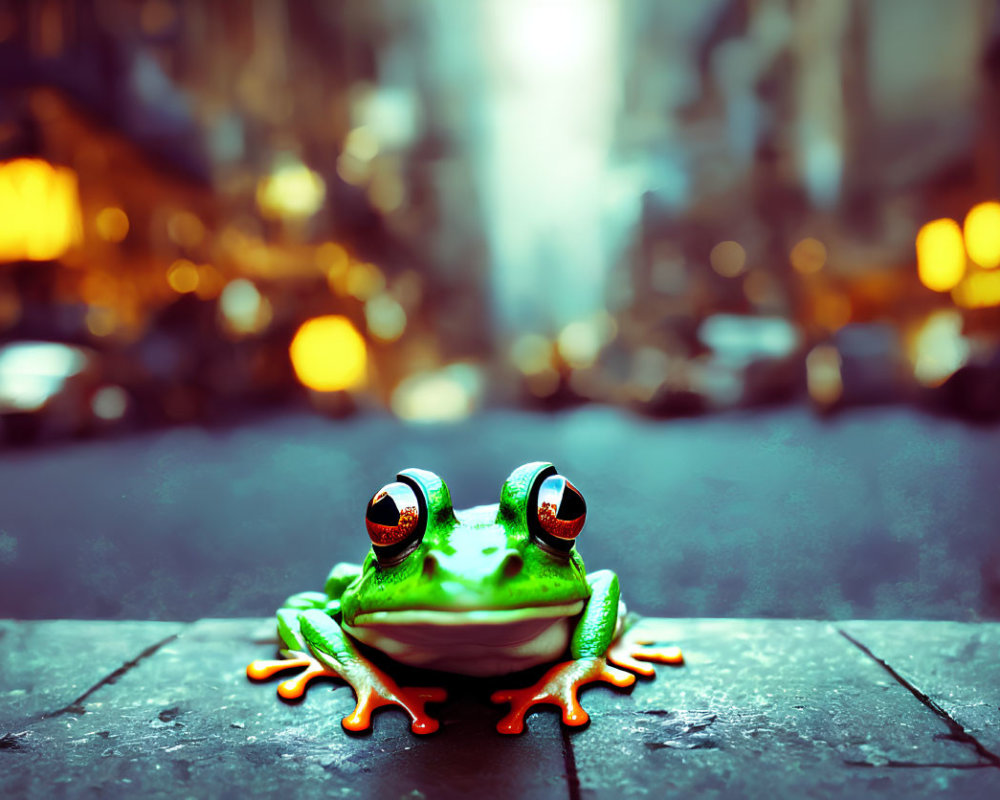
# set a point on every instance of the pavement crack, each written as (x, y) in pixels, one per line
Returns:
(12, 741)
(569, 764)
(957, 731)
(77, 705)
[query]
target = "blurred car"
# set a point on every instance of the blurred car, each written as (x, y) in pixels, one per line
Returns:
(51, 390)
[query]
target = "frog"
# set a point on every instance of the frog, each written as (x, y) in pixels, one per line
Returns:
(485, 592)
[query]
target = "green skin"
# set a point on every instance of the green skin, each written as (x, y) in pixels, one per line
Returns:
(470, 554)
(481, 560)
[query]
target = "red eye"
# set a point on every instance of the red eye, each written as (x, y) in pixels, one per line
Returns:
(561, 508)
(392, 514)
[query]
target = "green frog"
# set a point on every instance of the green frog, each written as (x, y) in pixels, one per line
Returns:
(485, 592)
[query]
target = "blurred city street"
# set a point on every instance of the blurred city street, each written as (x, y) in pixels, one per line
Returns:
(884, 513)
(732, 266)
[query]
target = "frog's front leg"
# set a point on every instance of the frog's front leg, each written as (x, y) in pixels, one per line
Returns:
(319, 645)
(590, 648)
(315, 643)
(296, 652)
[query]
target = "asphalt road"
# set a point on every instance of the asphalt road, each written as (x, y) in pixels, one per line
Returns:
(882, 513)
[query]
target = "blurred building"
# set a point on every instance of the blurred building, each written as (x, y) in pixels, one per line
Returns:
(667, 204)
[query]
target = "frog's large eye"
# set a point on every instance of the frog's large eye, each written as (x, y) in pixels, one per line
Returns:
(393, 515)
(560, 510)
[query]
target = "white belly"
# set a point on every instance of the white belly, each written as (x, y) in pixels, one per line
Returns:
(474, 648)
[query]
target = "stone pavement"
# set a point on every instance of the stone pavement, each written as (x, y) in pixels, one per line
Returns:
(763, 708)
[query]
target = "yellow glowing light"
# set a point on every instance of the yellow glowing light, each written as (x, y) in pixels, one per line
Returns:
(112, 224)
(39, 210)
(940, 255)
(728, 259)
(292, 191)
(982, 234)
(978, 290)
(183, 276)
(823, 378)
(328, 355)
(808, 256)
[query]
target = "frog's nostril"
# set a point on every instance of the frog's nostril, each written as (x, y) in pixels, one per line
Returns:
(430, 565)
(512, 565)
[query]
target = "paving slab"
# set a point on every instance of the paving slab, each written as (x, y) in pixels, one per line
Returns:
(187, 722)
(762, 708)
(955, 665)
(771, 708)
(47, 666)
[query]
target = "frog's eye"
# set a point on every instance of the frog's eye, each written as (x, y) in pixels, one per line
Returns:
(393, 515)
(561, 510)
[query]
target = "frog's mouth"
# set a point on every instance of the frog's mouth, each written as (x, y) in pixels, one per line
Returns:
(479, 641)
(464, 617)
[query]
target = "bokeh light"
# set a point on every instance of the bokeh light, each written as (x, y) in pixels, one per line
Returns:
(183, 276)
(185, 229)
(729, 259)
(982, 234)
(39, 210)
(32, 373)
(823, 376)
(292, 191)
(385, 318)
(243, 308)
(112, 224)
(939, 348)
(808, 256)
(110, 403)
(329, 355)
(445, 395)
(940, 255)
(978, 290)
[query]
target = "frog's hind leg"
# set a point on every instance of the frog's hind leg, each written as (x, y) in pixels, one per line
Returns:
(631, 648)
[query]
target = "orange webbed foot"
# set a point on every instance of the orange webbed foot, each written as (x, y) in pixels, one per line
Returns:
(630, 653)
(373, 688)
(295, 687)
(386, 692)
(559, 687)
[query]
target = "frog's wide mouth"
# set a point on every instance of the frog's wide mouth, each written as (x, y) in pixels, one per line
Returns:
(469, 616)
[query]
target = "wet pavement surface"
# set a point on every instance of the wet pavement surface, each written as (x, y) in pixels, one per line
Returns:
(762, 708)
